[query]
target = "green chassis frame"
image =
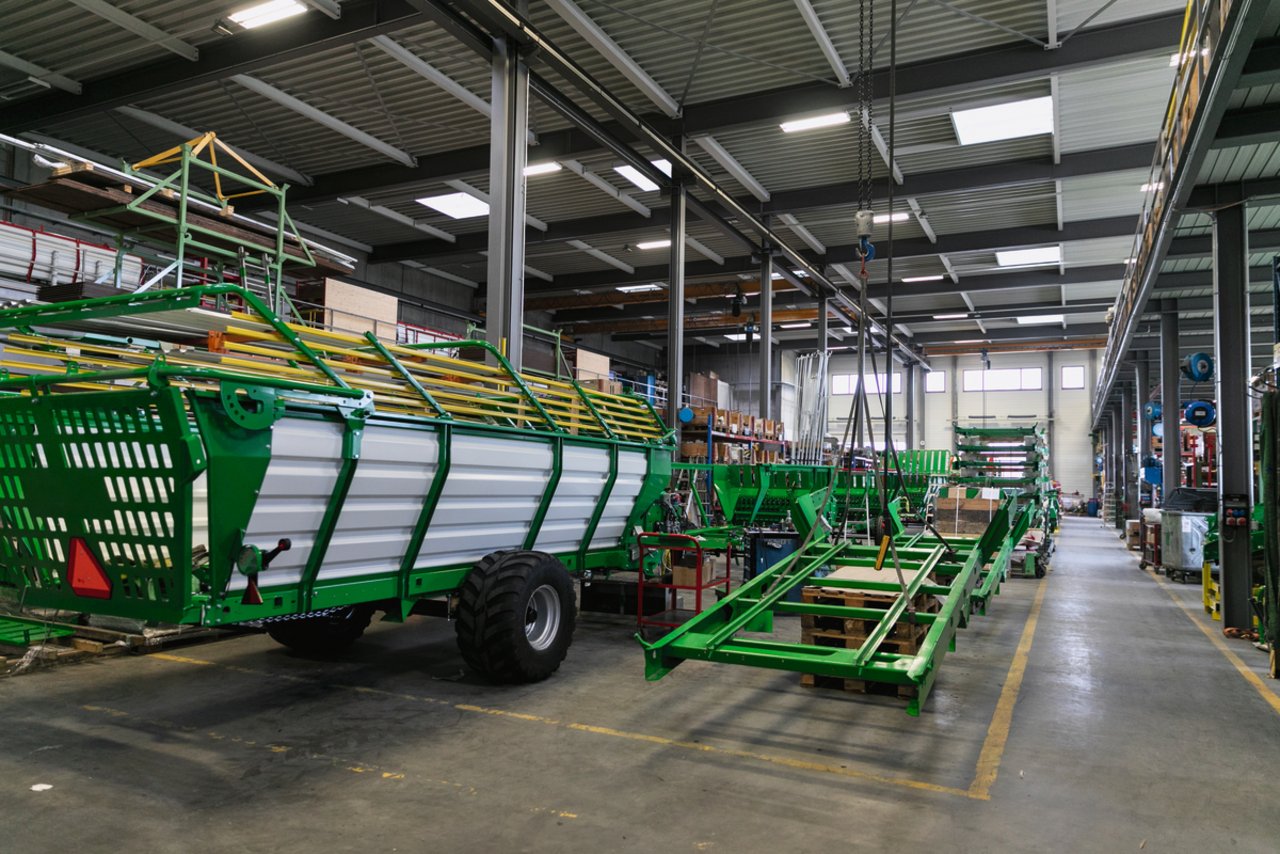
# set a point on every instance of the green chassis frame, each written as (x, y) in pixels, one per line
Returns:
(117, 468)
(965, 575)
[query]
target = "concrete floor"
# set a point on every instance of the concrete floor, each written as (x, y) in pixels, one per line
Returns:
(1131, 731)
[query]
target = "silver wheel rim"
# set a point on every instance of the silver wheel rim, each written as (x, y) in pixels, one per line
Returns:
(542, 617)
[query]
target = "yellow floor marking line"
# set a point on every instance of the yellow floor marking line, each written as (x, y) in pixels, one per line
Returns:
(1216, 639)
(707, 749)
(998, 732)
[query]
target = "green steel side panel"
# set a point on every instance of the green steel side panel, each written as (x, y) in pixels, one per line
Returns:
(112, 468)
(19, 631)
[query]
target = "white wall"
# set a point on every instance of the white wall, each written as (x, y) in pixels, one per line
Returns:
(1071, 452)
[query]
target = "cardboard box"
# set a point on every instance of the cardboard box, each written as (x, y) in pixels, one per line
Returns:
(693, 450)
(955, 514)
(1132, 529)
(605, 385)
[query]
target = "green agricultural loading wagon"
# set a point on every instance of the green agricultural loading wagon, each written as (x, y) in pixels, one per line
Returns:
(184, 456)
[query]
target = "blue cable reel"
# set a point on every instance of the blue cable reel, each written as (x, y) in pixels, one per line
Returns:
(1153, 411)
(1200, 413)
(1198, 367)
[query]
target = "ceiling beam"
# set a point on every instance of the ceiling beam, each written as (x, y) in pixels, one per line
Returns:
(320, 117)
(991, 176)
(957, 73)
(40, 75)
(1017, 333)
(823, 39)
(140, 28)
(306, 35)
(730, 164)
(582, 24)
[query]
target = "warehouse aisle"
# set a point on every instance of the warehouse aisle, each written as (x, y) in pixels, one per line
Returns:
(1126, 714)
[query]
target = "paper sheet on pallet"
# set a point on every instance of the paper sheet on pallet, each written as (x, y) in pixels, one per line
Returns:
(868, 573)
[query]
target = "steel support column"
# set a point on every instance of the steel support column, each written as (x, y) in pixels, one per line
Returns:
(1170, 401)
(1142, 376)
(766, 329)
(824, 331)
(1130, 468)
(508, 132)
(675, 307)
(1235, 415)
(909, 386)
(1050, 401)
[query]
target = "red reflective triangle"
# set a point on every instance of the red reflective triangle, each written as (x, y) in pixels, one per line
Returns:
(87, 577)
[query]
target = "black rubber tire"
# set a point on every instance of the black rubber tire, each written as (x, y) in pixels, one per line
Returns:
(326, 636)
(494, 605)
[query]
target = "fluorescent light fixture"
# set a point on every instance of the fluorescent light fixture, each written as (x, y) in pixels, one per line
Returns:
(542, 168)
(1040, 320)
(639, 289)
(737, 336)
(1004, 444)
(900, 216)
(964, 315)
(1146, 188)
(823, 121)
(970, 341)
(1016, 119)
(909, 279)
(793, 325)
(775, 276)
(266, 13)
(635, 176)
(1028, 257)
(1131, 261)
(456, 205)
(653, 244)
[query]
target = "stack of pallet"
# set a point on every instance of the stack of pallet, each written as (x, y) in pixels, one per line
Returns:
(904, 638)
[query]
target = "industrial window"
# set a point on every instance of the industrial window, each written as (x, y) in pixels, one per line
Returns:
(935, 381)
(1004, 379)
(1072, 376)
(848, 383)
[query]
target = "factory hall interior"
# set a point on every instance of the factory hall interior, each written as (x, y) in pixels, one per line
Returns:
(737, 426)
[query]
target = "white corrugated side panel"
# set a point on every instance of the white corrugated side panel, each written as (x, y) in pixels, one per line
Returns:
(305, 459)
(584, 472)
(392, 478)
(489, 500)
(632, 467)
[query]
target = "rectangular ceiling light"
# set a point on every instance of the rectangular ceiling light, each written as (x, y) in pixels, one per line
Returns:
(1146, 188)
(1028, 257)
(456, 205)
(970, 341)
(900, 216)
(635, 176)
(964, 315)
(653, 244)
(824, 121)
(737, 336)
(910, 279)
(267, 13)
(1040, 319)
(793, 325)
(542, 168)
(1017, 119)
(639, 289)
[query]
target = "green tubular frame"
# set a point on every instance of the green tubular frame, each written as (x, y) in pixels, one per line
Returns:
(965, 574)
(71, 459)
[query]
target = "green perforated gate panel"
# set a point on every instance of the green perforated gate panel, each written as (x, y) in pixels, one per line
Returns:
(112, 469)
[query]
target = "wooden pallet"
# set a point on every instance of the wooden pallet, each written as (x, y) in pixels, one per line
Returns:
(85, 642)
(907, 643)
(924, 603)
(858, 686)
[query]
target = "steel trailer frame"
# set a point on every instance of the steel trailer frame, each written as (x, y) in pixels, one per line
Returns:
(112, 444)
